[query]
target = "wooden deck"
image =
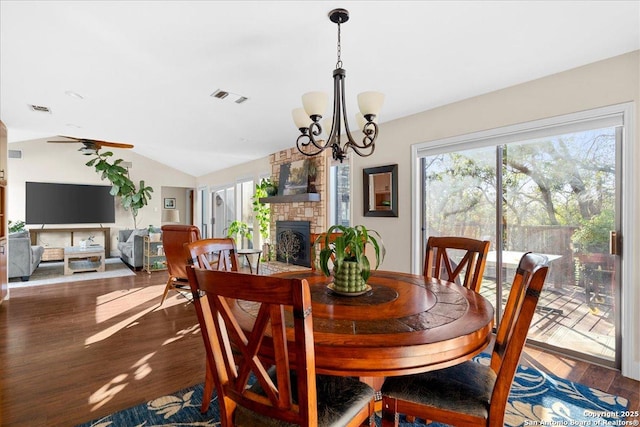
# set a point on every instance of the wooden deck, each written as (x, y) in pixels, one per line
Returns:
(566, 319)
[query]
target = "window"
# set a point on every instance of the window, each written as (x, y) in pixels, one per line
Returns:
(340, 187)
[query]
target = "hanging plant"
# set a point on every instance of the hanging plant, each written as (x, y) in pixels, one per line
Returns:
(263, 212)
(133, 198)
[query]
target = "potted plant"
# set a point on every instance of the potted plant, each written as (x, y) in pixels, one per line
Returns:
(16, 226)
(351, 267)
(263, 212)
(133, 198)
(239, 228)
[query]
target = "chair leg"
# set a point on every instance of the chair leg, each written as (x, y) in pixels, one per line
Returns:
(208, 389)
(166, 289)
(390, 416)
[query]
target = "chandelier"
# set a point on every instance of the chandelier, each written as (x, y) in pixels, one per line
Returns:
(307, 119)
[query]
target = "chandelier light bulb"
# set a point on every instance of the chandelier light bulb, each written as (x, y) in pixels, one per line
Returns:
(315, 103)
(370, 103)
(300, 118)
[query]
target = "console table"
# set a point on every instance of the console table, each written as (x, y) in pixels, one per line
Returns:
(106, 231)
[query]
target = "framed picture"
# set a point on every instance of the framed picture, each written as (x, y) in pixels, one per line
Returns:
(170, 203)
(294, 178)
(380, 186)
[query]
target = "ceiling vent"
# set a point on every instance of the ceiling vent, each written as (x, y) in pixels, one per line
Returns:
(222, 94)
(15, 154)
(39, 108)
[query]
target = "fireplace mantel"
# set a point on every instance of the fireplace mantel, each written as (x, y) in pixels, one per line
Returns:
(291, 198)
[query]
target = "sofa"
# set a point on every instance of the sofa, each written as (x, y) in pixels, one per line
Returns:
(131, 246)
(23, 257)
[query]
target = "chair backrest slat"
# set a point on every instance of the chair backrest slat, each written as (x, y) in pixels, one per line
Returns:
(439, 264)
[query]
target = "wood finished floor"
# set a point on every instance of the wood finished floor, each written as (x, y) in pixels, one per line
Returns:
(74, 352)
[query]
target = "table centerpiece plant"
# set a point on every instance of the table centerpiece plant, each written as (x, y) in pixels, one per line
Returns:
(351, 267)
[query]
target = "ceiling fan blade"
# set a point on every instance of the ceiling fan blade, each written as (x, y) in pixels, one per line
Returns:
(112, 144)
(64, 142)
(95, 142)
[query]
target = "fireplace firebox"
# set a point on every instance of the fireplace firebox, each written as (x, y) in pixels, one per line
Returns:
(293, 242)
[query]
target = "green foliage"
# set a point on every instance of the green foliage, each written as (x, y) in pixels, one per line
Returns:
(239, 228)
(350, 246)
(593, 235)
(16, 226)
(263, 212)
(559, 181)
(133, 198)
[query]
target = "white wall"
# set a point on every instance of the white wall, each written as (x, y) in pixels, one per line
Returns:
(62, 163)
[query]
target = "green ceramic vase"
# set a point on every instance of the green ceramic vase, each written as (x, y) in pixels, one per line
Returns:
(349, 279)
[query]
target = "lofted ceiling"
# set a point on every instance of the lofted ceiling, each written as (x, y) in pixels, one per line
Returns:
(146, 69)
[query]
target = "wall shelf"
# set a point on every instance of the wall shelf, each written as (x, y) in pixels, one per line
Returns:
(292, 198)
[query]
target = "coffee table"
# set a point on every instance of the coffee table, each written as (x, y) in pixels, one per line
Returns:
(78, 258)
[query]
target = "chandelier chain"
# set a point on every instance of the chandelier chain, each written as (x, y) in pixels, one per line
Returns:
(339, 49)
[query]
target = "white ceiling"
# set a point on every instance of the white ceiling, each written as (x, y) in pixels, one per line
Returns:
(146, 69)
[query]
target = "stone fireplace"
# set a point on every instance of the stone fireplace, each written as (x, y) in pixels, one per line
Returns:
(293, 242)
(314, 213)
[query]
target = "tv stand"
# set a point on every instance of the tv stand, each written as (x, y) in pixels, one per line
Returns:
(106, 231)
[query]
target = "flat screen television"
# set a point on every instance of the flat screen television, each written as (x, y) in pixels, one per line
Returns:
(51, 203)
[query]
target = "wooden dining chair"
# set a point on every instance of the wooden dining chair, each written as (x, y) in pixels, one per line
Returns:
(278, 352)
(318, 241)
(450, 258)
(472, 394)
(218, 253)
(174, 237)
(211, 254)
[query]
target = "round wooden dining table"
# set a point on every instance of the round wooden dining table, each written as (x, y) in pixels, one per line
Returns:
(404, 324)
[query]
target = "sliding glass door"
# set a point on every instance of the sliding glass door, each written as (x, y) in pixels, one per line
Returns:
(557, 195)
(223, 210)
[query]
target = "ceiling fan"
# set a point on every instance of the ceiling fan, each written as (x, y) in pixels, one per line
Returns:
(91, 146)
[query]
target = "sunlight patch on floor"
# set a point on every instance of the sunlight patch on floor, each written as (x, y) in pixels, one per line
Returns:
(116, 303)
(107, 392)
(112, 330)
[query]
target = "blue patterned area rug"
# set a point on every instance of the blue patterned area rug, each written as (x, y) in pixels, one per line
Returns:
(536, 398)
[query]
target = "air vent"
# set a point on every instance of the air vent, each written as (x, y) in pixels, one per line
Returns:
(40, 108)
(15, 154)
(222, 94)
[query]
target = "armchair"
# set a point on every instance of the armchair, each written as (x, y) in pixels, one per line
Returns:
(23, 257)
(131, 247)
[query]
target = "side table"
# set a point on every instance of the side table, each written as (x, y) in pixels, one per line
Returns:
(246, 253)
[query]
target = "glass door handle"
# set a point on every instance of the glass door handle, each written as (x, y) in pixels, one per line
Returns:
(614, 248)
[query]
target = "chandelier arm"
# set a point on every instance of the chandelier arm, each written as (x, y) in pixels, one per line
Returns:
(303, 147)
(315, 130)
(369, 136)
(350, 140)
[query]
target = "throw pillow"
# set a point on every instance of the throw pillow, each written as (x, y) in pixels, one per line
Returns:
(137, 232)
